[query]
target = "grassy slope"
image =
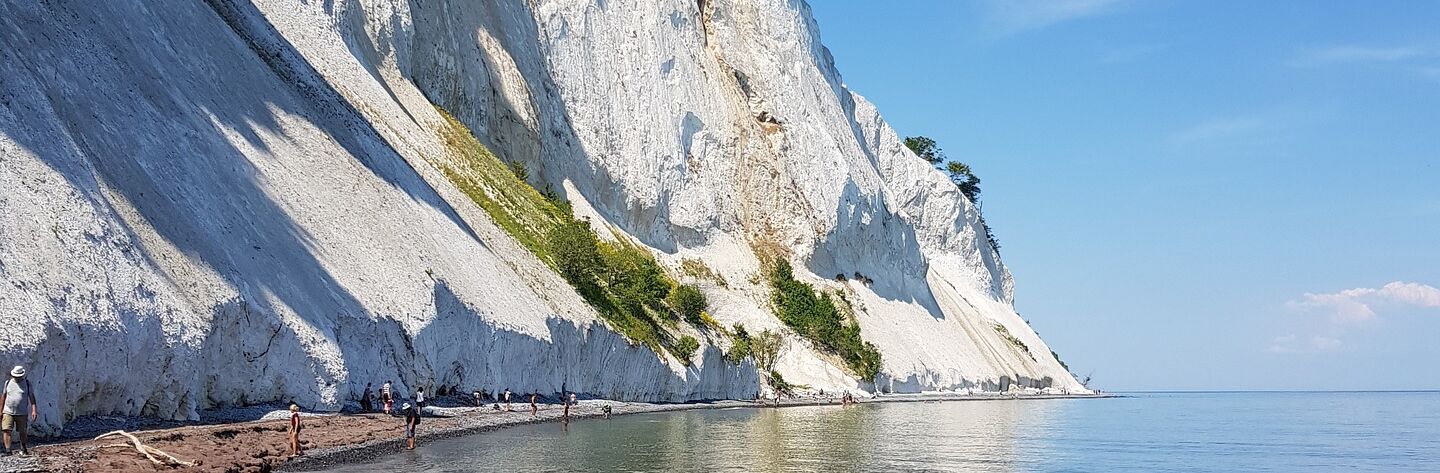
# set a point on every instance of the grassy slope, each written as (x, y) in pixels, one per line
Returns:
(530, 217)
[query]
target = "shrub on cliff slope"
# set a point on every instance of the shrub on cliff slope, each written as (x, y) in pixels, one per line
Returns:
(814, 316)
(689, 302)
(685, 348)
(575, 251)
(740, 344)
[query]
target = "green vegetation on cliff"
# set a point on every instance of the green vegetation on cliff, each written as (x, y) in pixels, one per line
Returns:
(621, 280)
(815, 316)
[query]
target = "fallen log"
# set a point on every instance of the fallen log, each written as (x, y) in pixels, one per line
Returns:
(148, 451)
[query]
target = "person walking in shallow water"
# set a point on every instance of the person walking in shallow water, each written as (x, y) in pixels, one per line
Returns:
(19, 400)
(412, 419)
(567, 402)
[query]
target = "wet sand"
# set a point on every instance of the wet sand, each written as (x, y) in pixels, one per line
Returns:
(338, 439)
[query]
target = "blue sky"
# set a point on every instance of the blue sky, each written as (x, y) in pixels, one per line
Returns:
(1190, 195)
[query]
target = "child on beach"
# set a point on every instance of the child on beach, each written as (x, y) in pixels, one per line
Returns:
(294, 430)
(387, 397)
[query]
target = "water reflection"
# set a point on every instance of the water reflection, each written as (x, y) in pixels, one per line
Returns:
(886, 437)
(1379, 432)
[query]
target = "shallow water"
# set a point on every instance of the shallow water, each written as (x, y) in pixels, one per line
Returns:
(1145, 432)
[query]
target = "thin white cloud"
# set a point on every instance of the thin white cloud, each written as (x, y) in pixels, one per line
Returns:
(1283, 344)
(1005, 17)
(1321, 343)
(1221, 128)
(1286, 344)
(1355, 305)
(1349, 308)
(1131, 53)
(1343, 54)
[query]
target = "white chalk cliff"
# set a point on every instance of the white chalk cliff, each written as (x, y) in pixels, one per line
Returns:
(225, 202)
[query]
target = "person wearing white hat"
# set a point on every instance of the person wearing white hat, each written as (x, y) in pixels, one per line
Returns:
(17, 397)
(412, 418)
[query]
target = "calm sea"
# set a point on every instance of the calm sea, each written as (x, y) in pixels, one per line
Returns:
(1389, 431)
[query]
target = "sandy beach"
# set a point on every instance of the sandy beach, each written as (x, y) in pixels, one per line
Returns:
(336, 439)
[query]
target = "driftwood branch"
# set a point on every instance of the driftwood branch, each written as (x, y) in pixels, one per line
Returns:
(148, 451)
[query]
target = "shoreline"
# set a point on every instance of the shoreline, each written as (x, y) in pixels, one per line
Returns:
(337, 439)
(360, 453)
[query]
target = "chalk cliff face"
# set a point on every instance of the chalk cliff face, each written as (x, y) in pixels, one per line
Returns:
(223, 202)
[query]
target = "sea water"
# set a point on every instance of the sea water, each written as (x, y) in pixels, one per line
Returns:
(1266, 431)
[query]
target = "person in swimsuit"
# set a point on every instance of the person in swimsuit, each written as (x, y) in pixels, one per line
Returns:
(294, 430)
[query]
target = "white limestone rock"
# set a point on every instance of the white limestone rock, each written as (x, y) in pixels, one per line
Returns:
(229, 202)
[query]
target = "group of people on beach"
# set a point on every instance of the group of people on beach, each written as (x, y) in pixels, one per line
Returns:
(413, 413)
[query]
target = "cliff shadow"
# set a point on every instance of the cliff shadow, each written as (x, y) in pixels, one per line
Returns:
(871, 248)
(167, 121)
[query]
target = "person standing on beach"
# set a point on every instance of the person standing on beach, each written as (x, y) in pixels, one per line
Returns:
(507, 401)
(294, 430)
(386, 397)
(412, 419)
(419, 398)
(534, 410)
(19, 401)
(365, 396)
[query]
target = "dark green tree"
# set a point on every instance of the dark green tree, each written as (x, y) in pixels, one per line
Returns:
(926, 149)
(688, 301)
(964, 178)
(576, 251)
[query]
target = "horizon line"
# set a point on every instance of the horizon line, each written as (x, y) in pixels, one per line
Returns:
(1199, 391)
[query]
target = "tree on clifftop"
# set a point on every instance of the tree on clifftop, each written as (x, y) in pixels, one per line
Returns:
(926, 149)
(964, 178)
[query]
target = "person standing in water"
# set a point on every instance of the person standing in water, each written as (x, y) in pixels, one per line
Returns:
(294, 430)
(19, 401)
(565, 401)
(412, 419)
(534, 410)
